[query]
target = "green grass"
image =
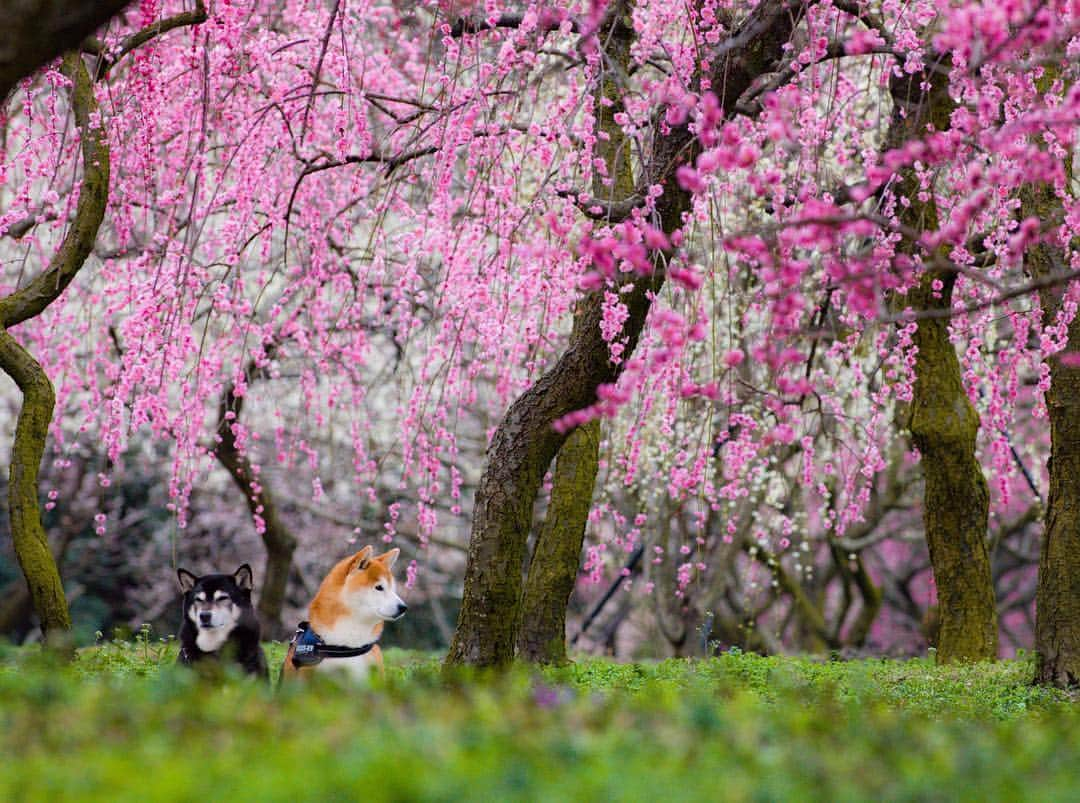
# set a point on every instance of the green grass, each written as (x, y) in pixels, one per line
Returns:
(122, 723)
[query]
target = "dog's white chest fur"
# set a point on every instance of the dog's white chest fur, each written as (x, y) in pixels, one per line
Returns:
(212, 639)
(347, 633)
(358, 668)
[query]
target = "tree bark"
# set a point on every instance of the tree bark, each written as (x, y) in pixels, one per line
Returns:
(27, 533)
(557, 552)
(956, 501)
(35, 32)
(524, 444)
(553, 570)
(35, 415)
(944, 424)
(1057, 596)
(1057, 599)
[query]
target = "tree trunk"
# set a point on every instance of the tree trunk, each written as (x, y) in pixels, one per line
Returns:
(32, 429)
(524, 444)
(553, 570)
(944, 423)
(956, 502)
(557, 553)
(1057, 596)
(871, 605)
(278, 539)
(521, 450)
(1057, 599)
(27, 533)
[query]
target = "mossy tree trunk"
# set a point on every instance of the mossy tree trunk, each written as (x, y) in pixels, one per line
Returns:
(1057, 597)
(956, 502)
(1057, 600)
(944, 424)
(553, 569)
(35, 415)
(27, 533)
(524, 443)
(556, 555)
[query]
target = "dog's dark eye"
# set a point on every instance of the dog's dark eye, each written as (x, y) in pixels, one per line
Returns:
(379, 587)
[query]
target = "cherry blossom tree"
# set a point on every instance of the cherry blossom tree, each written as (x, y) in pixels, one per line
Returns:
(59, 25)
(700, 278)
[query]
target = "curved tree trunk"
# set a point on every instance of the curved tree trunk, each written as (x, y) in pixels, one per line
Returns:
(553, 570)
(944, 423)
(278, 539)
(27, 533)
(524, 444)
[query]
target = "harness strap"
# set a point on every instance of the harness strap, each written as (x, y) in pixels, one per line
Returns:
(309, 649)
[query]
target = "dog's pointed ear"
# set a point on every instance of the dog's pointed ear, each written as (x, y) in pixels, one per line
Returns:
(361, 559)
(388, 559)
(244, 578)
(187, 580)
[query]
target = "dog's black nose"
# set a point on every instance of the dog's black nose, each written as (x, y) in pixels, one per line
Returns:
(204, 617)
(401, 608)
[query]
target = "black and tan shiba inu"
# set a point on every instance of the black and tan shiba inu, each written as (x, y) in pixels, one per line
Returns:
(220, 623)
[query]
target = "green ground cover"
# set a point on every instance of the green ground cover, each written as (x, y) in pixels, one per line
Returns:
(123, 723)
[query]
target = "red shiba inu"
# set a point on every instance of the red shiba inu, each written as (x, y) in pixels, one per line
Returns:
(346, 618)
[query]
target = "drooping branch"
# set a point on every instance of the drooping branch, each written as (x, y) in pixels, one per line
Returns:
(279, 539)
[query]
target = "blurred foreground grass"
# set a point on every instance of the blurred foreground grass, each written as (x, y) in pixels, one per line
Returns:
(124, 724)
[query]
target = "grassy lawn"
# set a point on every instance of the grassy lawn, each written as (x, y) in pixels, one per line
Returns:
(124, 724)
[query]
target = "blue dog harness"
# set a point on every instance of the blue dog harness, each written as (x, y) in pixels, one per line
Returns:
(309, 649)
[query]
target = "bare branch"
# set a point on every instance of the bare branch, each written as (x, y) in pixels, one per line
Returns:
(150, 32)
(867, 18)
(20, 228)
(609, 211)
(464, 25)
(318, 66)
